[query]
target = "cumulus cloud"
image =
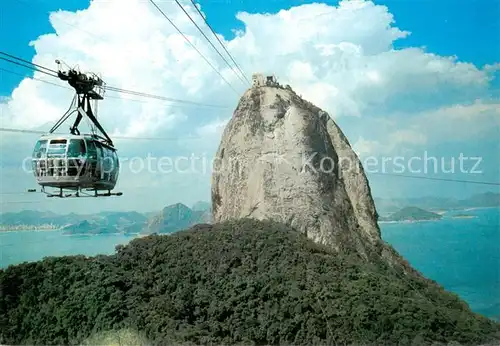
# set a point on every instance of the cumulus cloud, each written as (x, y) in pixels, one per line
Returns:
(453, 123)
(341, 58)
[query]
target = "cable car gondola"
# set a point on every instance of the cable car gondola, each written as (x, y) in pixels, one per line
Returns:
(77, 162)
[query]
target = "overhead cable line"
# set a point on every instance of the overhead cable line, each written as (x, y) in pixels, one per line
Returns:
(26, 66)
(194, 47)
(102, 39)
(173, 105)
(112, 97)
(6, 129)
(28, 62)
(217, 37)
(115, 89)
(19, 202)
(134, 188)
(208, 40)
(439, 179)
(34, 78)
(137, 93)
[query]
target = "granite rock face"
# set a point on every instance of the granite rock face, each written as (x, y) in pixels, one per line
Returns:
(283, 158)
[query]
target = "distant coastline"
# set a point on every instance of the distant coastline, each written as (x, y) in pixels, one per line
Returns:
(463, 216)
(66, 223)
(442, 213)
(478, 208)
(16, 228)
(409, 221)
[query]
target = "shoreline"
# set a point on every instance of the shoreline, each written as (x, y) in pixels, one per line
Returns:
(53, 228)
(409, 221)
(463, 217)
(446, 215)
(30, 229)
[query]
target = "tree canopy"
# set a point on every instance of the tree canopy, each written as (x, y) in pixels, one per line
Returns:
(242, 281)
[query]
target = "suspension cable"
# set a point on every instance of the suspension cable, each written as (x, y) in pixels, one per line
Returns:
(111, 88)
(194, 47)
(399, 175)
(217, 37)
(28, 62)
(30, 67)
(205, 36)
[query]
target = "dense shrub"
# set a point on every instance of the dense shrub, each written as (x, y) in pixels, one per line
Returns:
(236, 282)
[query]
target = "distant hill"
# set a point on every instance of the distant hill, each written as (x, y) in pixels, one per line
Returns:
(92, 227)
(172, 218)
(488, 199)
(411, 214)
(37, 218)
(167, 221)
(122, 218)
(390, 205)
(30, 219)
(175, 217)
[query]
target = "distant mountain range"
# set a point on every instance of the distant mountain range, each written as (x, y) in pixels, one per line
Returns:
(172, 218)
(179, 216)
(488, 199)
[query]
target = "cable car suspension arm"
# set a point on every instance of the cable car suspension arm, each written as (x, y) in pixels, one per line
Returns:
(65, 116)
(86, 87)
(90, 114)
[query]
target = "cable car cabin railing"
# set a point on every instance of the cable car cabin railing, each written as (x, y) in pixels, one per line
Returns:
(75, 161)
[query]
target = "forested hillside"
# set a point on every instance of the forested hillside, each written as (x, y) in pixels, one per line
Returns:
(236, 282)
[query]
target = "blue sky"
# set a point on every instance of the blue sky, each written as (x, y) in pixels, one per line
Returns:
(469, 29)
(419, 92)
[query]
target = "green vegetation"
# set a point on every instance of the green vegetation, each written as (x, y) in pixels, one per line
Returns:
(237, 282)
(116, 337)
(412, 214)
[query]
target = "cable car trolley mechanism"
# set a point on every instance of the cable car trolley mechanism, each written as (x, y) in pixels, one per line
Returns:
(77, 162)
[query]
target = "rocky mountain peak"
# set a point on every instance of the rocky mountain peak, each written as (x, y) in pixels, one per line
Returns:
(285, 159)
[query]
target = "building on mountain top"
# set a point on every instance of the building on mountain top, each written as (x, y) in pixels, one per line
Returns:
(258, 80)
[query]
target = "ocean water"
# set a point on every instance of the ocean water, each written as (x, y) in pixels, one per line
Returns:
(21, 246)
(463, 255)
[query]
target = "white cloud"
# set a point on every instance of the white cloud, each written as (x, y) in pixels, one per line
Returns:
(341, 58)
(364, 148)
(214, 128)
(398, 140)
(455, 123)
